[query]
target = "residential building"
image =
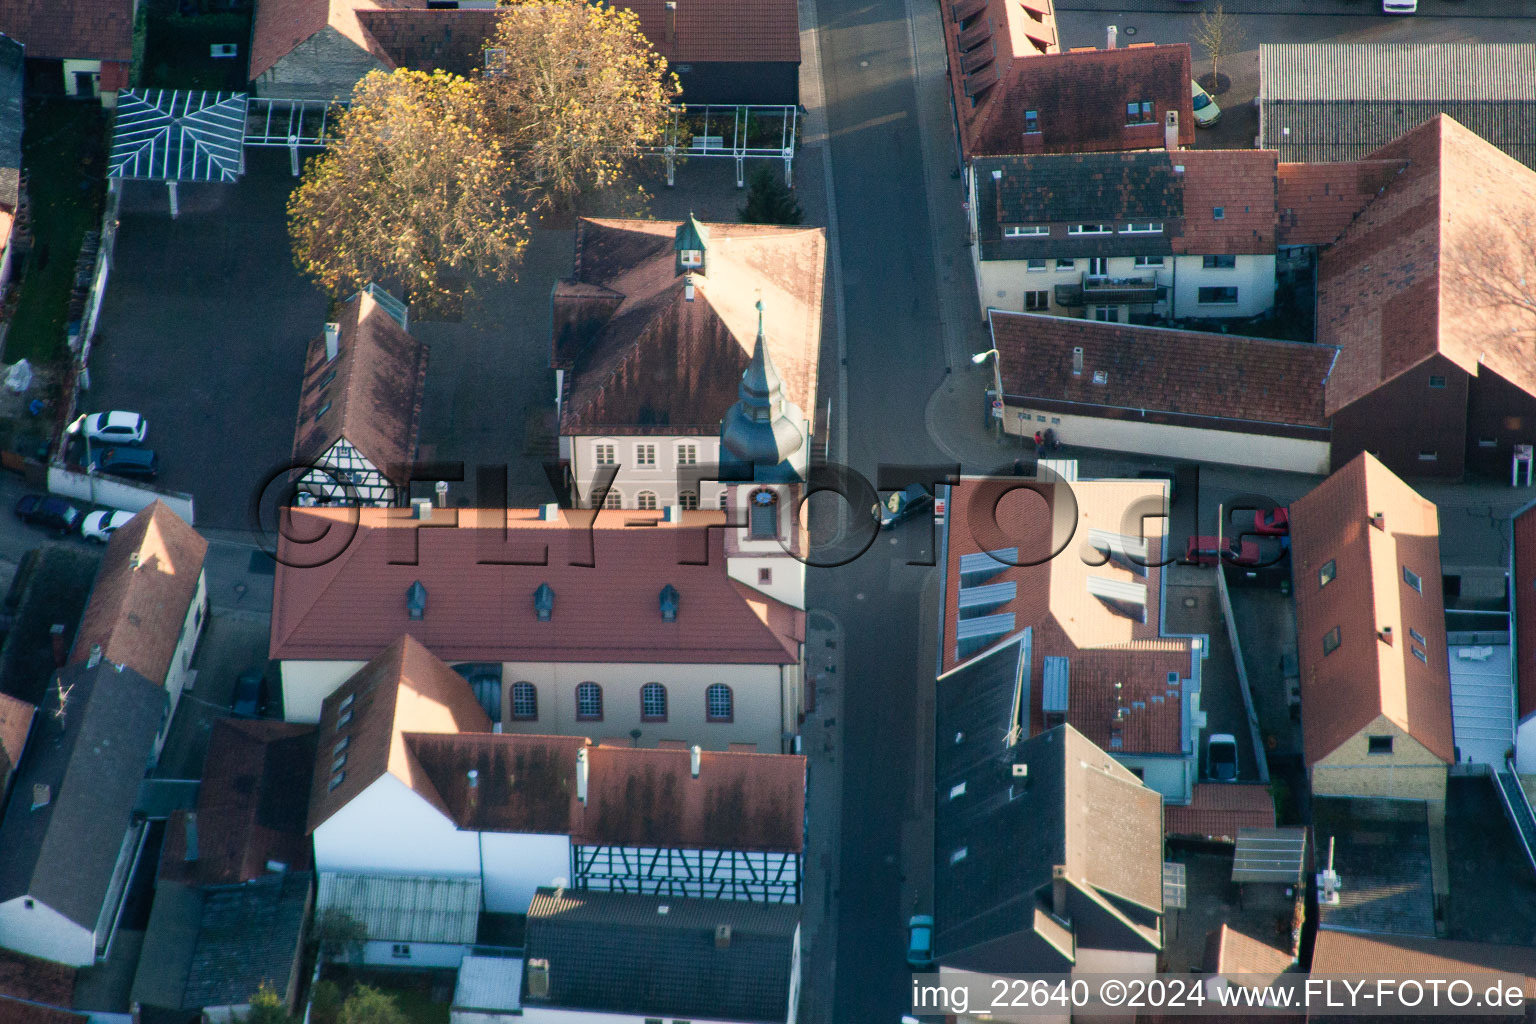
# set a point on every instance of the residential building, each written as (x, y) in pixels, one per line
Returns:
(510, 598)
(15, 726)
(652, 334)
(1434, 374)
(409, 921)
(318, 49)
(1178, 394)
(80, 48)
(69, 833)
(1370, 626)
(1048, 853)
(1217, 810)
(208, 949)
(252, 811)
(150, 601)
(360, 405)
(602, 957)
(1125, 237)
(13, 228)
(1085, 627)
(33, 991)
(1334, 102)
(1244, 958)
(1014, 91)
(1390, 857)
(410, 781)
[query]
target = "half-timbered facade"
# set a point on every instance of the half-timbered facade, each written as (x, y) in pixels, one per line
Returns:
(764, 876)
(360, 407)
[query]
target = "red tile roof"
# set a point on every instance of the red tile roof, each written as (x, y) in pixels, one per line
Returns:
(1523, 587)
(642, 358)
(723, 30)
(1228, 951)
(71, 29)
(1430, 267)
(1364, 677)
(1189, 373)
(403, 690)
(281, 25)
(40, 981)
(13, 1011)
(1217, 810)
(350, 602)
(1005, 53)
(1339, 952)
(370, 395)
(146, 584)
(1241, 183)
(251, 807)
(15, 724)
(1318, 201)
(1119, 696)
(428, 40)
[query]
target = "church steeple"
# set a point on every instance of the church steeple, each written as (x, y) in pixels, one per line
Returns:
(762, 428)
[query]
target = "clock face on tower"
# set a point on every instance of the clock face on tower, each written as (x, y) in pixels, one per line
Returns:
(763, 497)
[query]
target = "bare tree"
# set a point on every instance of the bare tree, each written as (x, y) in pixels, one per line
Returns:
(1219, 35)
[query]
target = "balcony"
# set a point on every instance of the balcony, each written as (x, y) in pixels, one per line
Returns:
(1101, 289)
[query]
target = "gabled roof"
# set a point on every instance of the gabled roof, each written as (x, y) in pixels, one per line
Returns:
(281, 25)
(71, 29)
(252, 806)
(83, 770)
(1100, 624)
(1318, 201)
(404, 689)
(1245, 381)
(746, 31)
(662, 956)
(1229, 951)
(1433, 266)
(999, 838)
(1366, 676)
(146, 584)
(1004, 60)
(642, 358)
(1324, 102)
(370, 395)
(1180, 191)
(1216, 810)
(429, 40)
(606, 579)
(15, 725)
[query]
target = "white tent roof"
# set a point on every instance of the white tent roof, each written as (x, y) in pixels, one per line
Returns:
(179, 135)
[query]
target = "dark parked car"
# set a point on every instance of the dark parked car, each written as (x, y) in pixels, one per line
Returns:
(49, 512)
(250, 691)
(902, 505)
(137, 463)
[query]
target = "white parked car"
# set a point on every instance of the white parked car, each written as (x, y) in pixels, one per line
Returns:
(116, 427)
(100, 526)
(1207, 112)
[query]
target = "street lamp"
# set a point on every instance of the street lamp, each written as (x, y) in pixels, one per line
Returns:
(997, 380)
(90, 466)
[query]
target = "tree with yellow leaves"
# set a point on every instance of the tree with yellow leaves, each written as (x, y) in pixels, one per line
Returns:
(575, 93)
(411, 193)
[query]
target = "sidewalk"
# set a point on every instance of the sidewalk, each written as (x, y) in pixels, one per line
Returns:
(821, 742)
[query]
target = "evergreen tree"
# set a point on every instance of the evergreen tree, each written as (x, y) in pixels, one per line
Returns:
(769, 200)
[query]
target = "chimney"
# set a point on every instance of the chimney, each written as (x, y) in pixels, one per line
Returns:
(60, 652)
(441, 490)
(1379, 520)
(1059, 891)
(95, 658)
(332, 341)
(1385, 632)
(722, 936)
(671, 26)
(1171, 131)
(1077, 361)
(581, 774)
(1109, 37)
(695, 756)
(191, 853)
(421, 508)
(549, 512)
(538, 978)
(133, 560)
(688, 288)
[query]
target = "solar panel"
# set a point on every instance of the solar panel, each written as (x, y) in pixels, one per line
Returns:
(1269, 855)
(1056, 690)
(1175, 892)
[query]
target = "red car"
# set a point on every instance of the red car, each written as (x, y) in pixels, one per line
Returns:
(1275, 522)
(1210, 550)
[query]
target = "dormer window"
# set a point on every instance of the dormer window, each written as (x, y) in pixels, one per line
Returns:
(416, 601)
(1031, 122)
(669, 600)
(544, 602)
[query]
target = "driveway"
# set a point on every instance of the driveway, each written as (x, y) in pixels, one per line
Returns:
(203, 330)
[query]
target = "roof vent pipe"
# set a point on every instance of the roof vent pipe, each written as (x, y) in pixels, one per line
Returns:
(1109, 37)
(95, 658)
(695, 757)
(581, 774)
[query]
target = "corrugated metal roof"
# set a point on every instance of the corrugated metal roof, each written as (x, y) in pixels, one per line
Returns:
(1269, 855)
(1499, 72)
(491, 983)
(406, 908)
